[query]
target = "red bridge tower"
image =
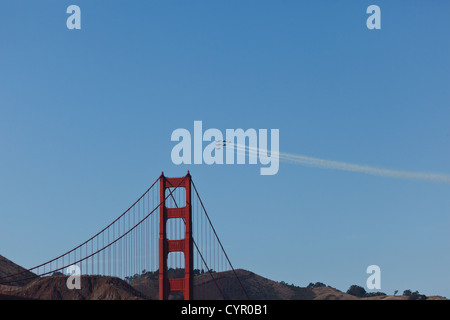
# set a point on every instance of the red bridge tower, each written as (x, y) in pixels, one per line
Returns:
(183, 285)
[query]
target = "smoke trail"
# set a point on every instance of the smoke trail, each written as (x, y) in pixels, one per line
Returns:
(335, 165)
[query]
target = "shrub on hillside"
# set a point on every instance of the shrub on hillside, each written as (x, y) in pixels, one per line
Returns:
(374, 294)
(356, 291)
(417, 296)
(316, 285)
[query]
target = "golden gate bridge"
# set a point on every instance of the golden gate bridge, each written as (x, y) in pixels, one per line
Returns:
(164, 246)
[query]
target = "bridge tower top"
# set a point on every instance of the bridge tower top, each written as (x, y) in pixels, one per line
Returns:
(185, 245)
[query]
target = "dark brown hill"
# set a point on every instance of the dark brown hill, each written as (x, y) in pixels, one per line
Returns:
(206, 287)
(92, 288)
(8, 267)
(145, 286)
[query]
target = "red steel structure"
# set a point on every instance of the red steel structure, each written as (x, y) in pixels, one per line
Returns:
(183, 285)
(136, 246)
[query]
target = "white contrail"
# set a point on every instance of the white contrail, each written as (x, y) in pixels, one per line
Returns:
(335, 165)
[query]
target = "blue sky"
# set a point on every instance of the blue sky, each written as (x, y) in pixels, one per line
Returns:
(86, 118)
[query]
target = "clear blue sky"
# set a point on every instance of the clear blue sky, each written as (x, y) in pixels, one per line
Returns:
(86, 118)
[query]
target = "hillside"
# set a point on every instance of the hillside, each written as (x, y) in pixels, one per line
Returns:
(145, 286)
(8, 267)
(92, 288)
(206, 287)
(257, 288)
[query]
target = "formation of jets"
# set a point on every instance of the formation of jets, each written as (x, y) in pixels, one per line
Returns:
(221, 143)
